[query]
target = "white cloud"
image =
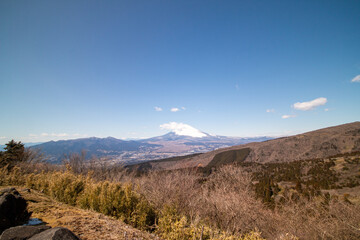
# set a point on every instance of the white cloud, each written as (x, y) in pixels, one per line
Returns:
(44, 134)
(174, 109)
(2, 137)
(287, 116)
(326, 109)
(356, 79)
(270, 110)
(305, 106)
(79, 135)
(158, 109)
(182, 129)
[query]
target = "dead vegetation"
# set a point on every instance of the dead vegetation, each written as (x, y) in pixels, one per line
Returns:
(186, 204)
(226, 200)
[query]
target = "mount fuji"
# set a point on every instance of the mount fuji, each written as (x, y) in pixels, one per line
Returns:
(181, 140)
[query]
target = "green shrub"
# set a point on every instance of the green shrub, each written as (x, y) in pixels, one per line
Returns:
(117, 200)
(113, 199)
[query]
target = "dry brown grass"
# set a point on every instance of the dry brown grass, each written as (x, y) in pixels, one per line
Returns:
(320, 218)
(225, 200)
(229, 201)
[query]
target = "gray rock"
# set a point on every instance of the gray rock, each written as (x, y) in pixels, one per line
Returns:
(57, 233)
(22, 232)
(13, 210)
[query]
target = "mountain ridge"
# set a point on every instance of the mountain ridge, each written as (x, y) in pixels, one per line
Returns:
(319, 143)
(117, 150)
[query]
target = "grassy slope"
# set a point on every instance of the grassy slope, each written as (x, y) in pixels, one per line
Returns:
(84, 223)
(321, 143)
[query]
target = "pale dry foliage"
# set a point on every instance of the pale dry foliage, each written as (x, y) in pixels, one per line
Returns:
(226, 200)
(320, 219)
(180, 189)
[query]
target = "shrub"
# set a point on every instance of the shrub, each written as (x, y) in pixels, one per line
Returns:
(113, 199)
(120, 201)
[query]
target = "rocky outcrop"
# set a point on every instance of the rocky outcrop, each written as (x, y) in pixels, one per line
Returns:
(13, 209)
(22, 232)
(40, 232)
(57, 233)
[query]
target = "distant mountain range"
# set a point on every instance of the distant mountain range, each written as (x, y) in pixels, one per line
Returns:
(321, 143)
(120, 151)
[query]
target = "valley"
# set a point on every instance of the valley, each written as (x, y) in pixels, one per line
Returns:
(115, 151)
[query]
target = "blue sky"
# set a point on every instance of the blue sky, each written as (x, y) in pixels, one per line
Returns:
(73, 69)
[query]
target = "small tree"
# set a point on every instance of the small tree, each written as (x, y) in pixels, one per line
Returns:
(14, 152)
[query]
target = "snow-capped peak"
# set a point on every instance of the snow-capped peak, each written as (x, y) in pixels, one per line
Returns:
(183, 129)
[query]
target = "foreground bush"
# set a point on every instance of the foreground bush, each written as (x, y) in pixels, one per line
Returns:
(113, 199)
(120, 201)
(173, 226)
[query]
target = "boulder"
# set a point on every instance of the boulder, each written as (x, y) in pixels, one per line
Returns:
(22, 232)
(57, 233)
(13, 210)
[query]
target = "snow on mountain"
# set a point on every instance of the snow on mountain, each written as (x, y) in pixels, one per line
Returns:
(183, 129)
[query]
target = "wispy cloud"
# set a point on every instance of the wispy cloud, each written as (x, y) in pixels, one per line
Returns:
(158, 109)
(287, 116)
(270, 110)
(305, 106)
(326, 109)
(2, 137)
(59, 134)
(356, 79)
(54, 134)
(177, 109)
(78, 135)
